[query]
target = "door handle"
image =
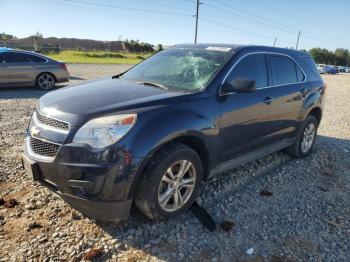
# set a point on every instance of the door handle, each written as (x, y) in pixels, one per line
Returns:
(268, 100)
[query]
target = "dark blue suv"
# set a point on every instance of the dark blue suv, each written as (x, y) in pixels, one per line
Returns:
(149, 136)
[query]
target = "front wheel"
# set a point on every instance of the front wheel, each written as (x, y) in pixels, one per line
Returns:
(170, 182)
(305, 139)
(45, 81)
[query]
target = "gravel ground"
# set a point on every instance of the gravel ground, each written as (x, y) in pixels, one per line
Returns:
(281, 209)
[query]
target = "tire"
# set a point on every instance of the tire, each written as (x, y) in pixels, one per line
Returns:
(154, 184)
(45, 81)
(301, 147)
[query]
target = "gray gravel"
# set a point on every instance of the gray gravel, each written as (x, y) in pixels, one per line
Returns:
(307, 218)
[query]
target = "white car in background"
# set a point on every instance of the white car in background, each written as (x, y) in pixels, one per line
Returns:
(321, 69)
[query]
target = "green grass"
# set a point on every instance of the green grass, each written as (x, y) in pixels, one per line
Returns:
(98, 57)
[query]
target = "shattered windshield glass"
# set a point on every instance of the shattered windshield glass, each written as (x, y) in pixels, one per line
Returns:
(180, 69)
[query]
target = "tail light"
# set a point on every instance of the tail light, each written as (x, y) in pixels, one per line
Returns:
(64, 66)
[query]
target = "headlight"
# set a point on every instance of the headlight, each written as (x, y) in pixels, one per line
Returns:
(104, 131)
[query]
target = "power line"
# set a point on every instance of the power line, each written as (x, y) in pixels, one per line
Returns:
(237, 29)
(255, 15)
(69, 3)
(113, 13)
(188, 1)
(163, 4)
(149, 20)
(274, 21)
(126, 8)
(248, 18)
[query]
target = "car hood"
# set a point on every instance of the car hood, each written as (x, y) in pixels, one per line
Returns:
(77, 103)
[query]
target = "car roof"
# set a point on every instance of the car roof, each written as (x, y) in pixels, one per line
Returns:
(206, 46)
(5, 49)
(25, 52)
(238, 47)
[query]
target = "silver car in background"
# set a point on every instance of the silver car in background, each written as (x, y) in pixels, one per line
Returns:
(24, 68)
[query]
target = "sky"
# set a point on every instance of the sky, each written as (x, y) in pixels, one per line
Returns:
(323, 23)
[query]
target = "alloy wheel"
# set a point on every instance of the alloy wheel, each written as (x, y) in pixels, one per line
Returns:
(46, 81)
(308, 138)
(177, 185)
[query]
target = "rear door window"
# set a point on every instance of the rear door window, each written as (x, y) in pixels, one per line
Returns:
(283, 70)
(19, 58)
(252, 67)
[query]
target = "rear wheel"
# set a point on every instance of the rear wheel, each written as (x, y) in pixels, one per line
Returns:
(305, 138)
(45, 81)
(170, 183)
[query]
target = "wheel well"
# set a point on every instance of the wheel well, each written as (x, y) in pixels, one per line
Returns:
(316, 112)
(199, 146)
(195, 143)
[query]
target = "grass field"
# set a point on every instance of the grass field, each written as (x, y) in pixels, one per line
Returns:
(98, 57)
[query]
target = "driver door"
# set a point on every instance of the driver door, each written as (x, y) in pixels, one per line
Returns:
(245, 117)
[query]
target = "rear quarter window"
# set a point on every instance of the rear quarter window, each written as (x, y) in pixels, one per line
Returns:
(36, 59)
(310, 68)
(300, 74)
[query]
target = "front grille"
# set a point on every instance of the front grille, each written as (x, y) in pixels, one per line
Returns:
(52, 122)
(43, 148)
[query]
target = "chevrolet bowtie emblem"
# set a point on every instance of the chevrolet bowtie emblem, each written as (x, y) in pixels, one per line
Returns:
(34, 131)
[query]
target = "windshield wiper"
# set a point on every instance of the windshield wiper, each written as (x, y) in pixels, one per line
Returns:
(152, 84)
(118, 75)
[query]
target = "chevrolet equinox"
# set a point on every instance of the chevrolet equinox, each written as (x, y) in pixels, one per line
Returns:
(150, 135)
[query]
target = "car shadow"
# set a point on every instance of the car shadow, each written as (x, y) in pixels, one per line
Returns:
(28, 92)
(76, 78)
(25, 92)
(148, 236)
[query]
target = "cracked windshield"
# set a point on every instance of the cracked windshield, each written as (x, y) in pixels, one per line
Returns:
(179, 69)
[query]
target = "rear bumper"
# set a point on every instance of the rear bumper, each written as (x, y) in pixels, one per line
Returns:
(62, 76)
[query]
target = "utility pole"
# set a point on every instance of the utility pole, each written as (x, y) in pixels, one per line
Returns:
(195, 34)
(34, 43)
(274, 43)
(296, 47)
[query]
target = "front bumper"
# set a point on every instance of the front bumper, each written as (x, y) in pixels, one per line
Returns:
(99, 210)
(86, 180)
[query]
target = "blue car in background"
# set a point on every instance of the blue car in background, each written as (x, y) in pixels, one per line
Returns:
(330, 70)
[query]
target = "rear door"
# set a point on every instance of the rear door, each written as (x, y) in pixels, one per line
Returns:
(288, 91)
(22, 69)
(245, 117)
(5, 76)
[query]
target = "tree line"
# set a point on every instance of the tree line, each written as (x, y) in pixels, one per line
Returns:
(340, 57)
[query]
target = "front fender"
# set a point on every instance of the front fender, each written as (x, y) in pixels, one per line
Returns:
(158, 128)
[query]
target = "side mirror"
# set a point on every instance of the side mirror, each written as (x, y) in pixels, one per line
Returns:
(239, 85)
